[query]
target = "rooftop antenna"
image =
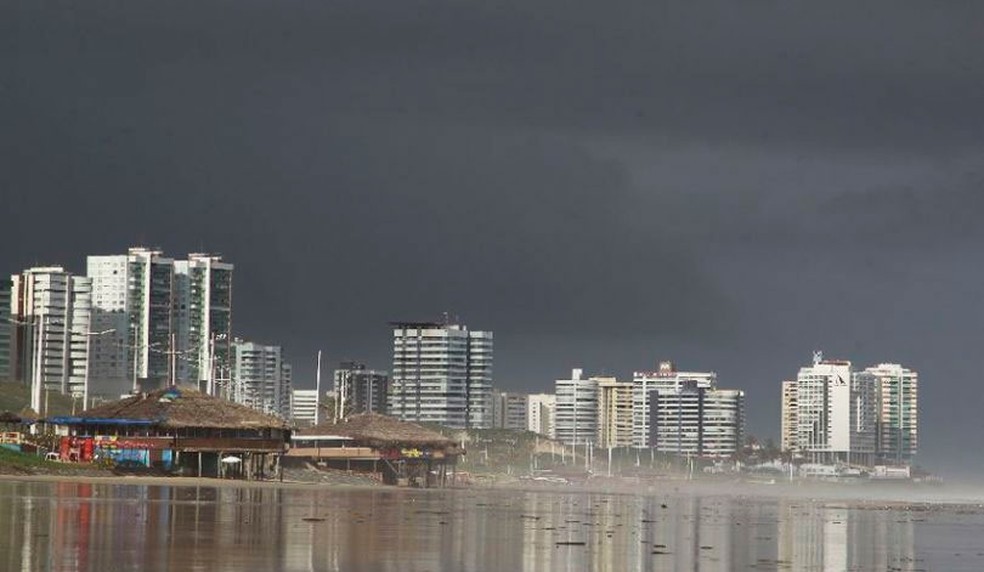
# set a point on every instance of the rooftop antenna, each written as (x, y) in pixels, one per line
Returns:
(817, 356)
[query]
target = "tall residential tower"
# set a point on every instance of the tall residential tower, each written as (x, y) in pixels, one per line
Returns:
(203, 318)
(132, 294)
(442, 373)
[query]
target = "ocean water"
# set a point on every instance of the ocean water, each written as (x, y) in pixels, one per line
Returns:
(55, 526)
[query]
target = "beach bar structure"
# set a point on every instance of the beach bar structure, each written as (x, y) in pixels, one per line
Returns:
(399, 452)
(177, 430)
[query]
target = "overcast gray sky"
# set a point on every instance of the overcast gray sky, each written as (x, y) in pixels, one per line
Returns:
(730, 185)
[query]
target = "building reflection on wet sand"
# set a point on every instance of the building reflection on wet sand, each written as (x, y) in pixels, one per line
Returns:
(72, 526)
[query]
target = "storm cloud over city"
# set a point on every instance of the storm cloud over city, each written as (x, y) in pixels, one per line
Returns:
(730, 186)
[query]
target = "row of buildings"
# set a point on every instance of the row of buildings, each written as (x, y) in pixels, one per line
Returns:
(442, 374)
(832, 413)
(667, 410)
(134, 321)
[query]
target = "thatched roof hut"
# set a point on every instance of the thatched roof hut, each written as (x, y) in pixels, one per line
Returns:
(179, 408)
(378, 431)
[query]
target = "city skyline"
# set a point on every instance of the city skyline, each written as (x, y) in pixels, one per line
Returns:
(731, 186)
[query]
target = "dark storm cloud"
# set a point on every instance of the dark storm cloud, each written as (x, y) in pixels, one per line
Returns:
(727, 184)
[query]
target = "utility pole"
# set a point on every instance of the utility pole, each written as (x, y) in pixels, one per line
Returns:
(317, 397)
(136, 346)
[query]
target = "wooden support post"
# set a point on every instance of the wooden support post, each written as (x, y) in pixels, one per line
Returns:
(199, 463)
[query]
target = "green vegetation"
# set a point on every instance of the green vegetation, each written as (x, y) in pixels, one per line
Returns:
(14, 397)
(16, 463)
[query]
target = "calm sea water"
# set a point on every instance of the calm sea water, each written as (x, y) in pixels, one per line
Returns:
(73, 526)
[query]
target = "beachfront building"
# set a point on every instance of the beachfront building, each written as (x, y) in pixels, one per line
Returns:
(360, 390)
(6, 332)
(787, 442)
(260, 378)
(132, 296)
(442, 373)
(178, 430)
(541, 414)
(576, 417)
(896, 411)
(510, 410)
(665, 379)
(395, 452)
(614, 413)
(50, 309)
(695, 420)
(303, 407)
(835, 413)
(203, 319)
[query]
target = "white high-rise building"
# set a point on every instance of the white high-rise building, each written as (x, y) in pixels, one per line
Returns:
(665, 379)
(51, 310)
(442, 373)
(835, 418)
(261, 378)
(203, 318)
(896, 411)
(541, 414)
(576, 417)
(303, 406)
(132, 294)
(694, 420)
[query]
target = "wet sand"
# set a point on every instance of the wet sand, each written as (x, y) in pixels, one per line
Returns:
(150, 523)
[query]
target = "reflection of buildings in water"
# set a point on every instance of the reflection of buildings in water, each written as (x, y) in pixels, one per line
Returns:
(812, 537)
(829, 538)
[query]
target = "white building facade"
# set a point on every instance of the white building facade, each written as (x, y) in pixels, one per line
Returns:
(665, 379)
(442, 373)
(133, 295)
(261, 378)
(303, 406)
(203, 318)
(698, 421)
(50, 309)
(541, 414)
(835, 413)
(896, 411)
(576, 414)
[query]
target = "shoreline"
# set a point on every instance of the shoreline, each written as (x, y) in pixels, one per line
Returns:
(914, 497)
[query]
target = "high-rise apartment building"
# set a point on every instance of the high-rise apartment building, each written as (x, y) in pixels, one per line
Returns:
(787, 441)
(694, 420)
(261, 378)
(614, 413)
(896, 411)
(541, 414)
(835, 413)
(442, 373)
(360, 390)
(577, 409)
(665, 379)
(133, 295)
(51, 345)
(510, 410)
(6, 332)
(202, 318)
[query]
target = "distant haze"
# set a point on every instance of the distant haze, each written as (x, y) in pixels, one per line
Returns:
(728, 185)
